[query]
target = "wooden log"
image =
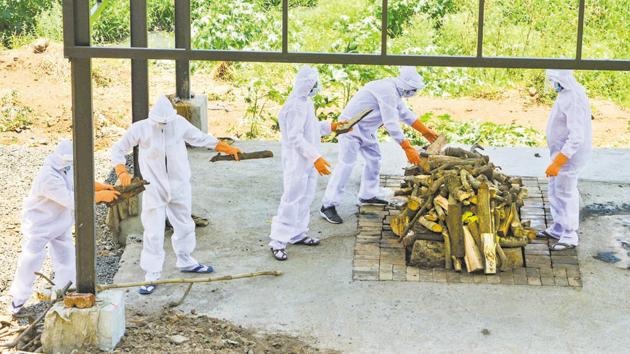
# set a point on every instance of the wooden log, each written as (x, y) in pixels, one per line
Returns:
(472, 257)
(439, 211)
(127, 192)
(437, 146)
(483, 209)
(430, 225)
(462, 153)
(243, 156)
(457, 264)
(427, 254)
(489, 253)
(424, 180)
(448, 262)
(473, 226)
(503, 262)
(414, 203)
(431, 216)
(507, 221)
(402, 192)
(442, 202)
(420, 232)
(512, 242)
(463, 176)
(455, 230)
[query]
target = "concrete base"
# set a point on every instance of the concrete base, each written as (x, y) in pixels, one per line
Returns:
(102, 326)
(199, 107)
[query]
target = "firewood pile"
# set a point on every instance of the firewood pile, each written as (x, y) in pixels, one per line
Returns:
(462, 213)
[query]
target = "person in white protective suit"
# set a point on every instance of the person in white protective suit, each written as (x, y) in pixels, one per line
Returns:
(385, 98)
(569, 137)
(164, 164)
(47, 219)
(301, 133)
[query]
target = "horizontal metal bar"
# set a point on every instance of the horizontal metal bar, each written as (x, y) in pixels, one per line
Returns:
(333, 58)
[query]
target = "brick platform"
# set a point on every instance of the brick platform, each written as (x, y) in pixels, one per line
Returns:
(378, 255)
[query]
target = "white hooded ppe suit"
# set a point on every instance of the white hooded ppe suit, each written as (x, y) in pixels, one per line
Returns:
(301, 134)
(384, 97)
(568, 132)
(164, 164)
(47, 219)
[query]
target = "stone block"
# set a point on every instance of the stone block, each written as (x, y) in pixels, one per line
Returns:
(102, 326)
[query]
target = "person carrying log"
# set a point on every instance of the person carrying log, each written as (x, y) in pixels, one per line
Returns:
(47, 219)
(301, 134)
(569, 136)
(162, 140)
(385, 98)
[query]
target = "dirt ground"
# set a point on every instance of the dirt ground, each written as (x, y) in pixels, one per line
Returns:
(42, 82)
(164, 331)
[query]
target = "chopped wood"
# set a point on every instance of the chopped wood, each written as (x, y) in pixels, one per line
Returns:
(243, 156)
(489, 253)
(473, 259)
(470, 202)
(437, 146)
(128, 192)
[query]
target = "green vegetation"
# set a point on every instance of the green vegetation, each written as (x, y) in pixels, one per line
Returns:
(533, 28)
(14, 116)
(483, 133)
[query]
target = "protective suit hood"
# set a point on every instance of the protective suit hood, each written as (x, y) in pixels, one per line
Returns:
(62, 156)
(163, 111)
(574, 93)
(409, 79)
(304, 81)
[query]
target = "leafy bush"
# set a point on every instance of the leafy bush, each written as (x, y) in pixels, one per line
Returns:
(113, 23)
(15, 116)
(17, 17)
(483, 133)
(161, 15)
(234, 25)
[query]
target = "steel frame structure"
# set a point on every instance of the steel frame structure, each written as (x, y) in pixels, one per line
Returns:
(80, 52)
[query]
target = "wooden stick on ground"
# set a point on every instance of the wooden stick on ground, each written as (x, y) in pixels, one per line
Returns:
(181, 300)
(243, 156)
(28, 329)
(103, 287)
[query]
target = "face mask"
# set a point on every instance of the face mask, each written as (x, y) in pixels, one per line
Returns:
(557, 87)
(66, 169)
(314, 90)
(409, 93)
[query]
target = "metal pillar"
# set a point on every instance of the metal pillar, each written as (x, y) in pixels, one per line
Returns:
(139, 71)
(182, 40)
(83, 143)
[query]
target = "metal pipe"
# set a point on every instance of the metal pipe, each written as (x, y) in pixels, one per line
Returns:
(285, 26)
(580, 31)
(384, 28)
(83, 144)
(480, 21)
(182, 40)
(346, 58)
(139, 70)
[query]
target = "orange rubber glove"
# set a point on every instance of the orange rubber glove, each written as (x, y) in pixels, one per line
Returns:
(106, 196)
(321, 166)
(335, 124)
(426, 132)
(123, 175)
(102, 187)
(556, 165)
(227, 149)
(412, 154)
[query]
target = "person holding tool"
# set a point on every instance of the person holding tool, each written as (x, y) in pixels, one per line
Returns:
(301, 161)
(385, 98)
(163, 159)
(47, 219)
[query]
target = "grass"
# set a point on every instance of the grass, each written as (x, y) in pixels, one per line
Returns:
(15, 116)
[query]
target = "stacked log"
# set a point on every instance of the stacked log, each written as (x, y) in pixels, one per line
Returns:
(460, 199)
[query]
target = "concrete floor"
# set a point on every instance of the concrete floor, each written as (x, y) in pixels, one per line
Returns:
(316, 298)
